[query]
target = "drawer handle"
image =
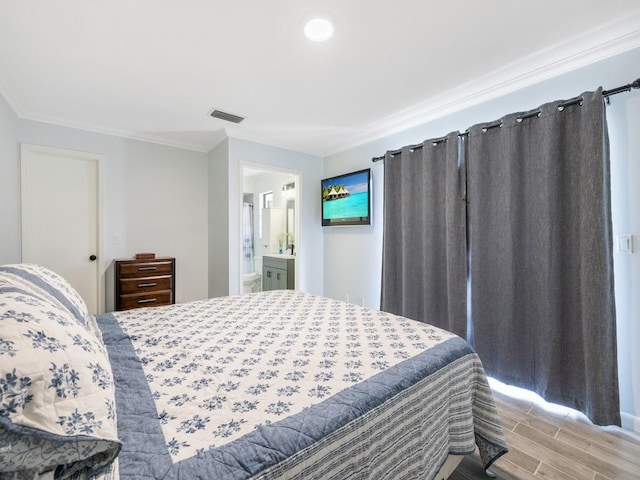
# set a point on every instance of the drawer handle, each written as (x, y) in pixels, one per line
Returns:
(147, 300)
(278, 276)
(146, 285)
(146, 269)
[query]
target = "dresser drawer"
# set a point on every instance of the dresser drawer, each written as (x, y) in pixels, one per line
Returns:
(151, 299)
(145, 284)
(145, 269)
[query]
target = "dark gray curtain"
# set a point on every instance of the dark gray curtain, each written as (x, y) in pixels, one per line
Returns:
(542, 298)
(424, 252)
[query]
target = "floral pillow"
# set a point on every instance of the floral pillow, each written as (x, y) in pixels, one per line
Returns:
(57, 405)
(48, 284)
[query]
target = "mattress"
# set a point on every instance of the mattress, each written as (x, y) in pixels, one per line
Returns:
(285, 384)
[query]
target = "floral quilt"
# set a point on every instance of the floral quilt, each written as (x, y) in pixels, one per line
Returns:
(240, 383)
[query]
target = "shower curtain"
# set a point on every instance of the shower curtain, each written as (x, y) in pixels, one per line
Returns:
(248, 265)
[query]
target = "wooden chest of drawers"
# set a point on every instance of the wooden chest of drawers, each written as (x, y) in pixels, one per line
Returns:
(144, 282)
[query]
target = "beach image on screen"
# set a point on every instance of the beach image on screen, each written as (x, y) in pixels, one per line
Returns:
(346, 197)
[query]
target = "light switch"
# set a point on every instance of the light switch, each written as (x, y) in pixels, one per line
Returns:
(625, 243)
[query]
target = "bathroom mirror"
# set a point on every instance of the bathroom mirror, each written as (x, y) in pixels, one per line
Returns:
(291, 224)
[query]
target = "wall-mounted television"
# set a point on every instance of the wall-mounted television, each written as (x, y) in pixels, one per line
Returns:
(346, 199)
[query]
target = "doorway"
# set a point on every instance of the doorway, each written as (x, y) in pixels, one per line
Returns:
(272, 196)
(60, 203)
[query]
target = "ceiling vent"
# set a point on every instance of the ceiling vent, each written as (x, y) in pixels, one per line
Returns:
(229, 117)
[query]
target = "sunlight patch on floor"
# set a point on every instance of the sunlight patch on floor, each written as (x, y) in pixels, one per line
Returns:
(555, 409)
(530, 396)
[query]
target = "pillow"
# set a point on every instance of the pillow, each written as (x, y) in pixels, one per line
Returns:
(57, 402)
(45, 283)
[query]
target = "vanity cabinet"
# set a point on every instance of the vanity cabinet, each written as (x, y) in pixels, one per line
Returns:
(144, 282)
(278, 272)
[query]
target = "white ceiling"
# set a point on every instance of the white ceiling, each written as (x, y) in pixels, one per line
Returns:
(154, 69)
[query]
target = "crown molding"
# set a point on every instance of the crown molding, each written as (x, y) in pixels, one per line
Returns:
(583, 50)
(116, 133)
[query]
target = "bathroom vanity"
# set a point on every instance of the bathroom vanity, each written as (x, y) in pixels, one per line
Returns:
(278, 272)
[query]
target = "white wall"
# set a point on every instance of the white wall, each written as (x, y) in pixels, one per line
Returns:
(623, 117)
(352, 255)
(309, 169)
(166, 211)
(9, 185)
(154, 199)
(218, 222)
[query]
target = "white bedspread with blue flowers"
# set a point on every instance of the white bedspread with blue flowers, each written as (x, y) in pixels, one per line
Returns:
(201, 385)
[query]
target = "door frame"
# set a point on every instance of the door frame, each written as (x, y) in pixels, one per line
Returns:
(26, 149)
(297, 197)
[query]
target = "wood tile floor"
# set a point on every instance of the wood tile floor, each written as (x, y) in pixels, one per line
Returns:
(556, 446)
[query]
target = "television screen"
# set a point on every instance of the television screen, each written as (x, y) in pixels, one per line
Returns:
(346, 199)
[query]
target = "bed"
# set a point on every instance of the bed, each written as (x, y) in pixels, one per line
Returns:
(269, 385)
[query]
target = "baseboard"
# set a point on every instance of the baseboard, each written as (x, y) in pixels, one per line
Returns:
(630, 422)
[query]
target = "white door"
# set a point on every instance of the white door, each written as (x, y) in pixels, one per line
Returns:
(60, 221)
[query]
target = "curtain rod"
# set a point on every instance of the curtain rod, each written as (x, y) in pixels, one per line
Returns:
(605, 94)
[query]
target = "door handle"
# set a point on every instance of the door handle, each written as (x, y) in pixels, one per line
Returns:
(92, 258)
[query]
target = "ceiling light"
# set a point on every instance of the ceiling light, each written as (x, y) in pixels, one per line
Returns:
(318, 29)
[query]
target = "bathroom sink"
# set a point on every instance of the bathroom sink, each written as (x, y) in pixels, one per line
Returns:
(279, 255)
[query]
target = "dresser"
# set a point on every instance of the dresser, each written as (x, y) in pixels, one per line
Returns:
(144, 282)
(278, 272)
